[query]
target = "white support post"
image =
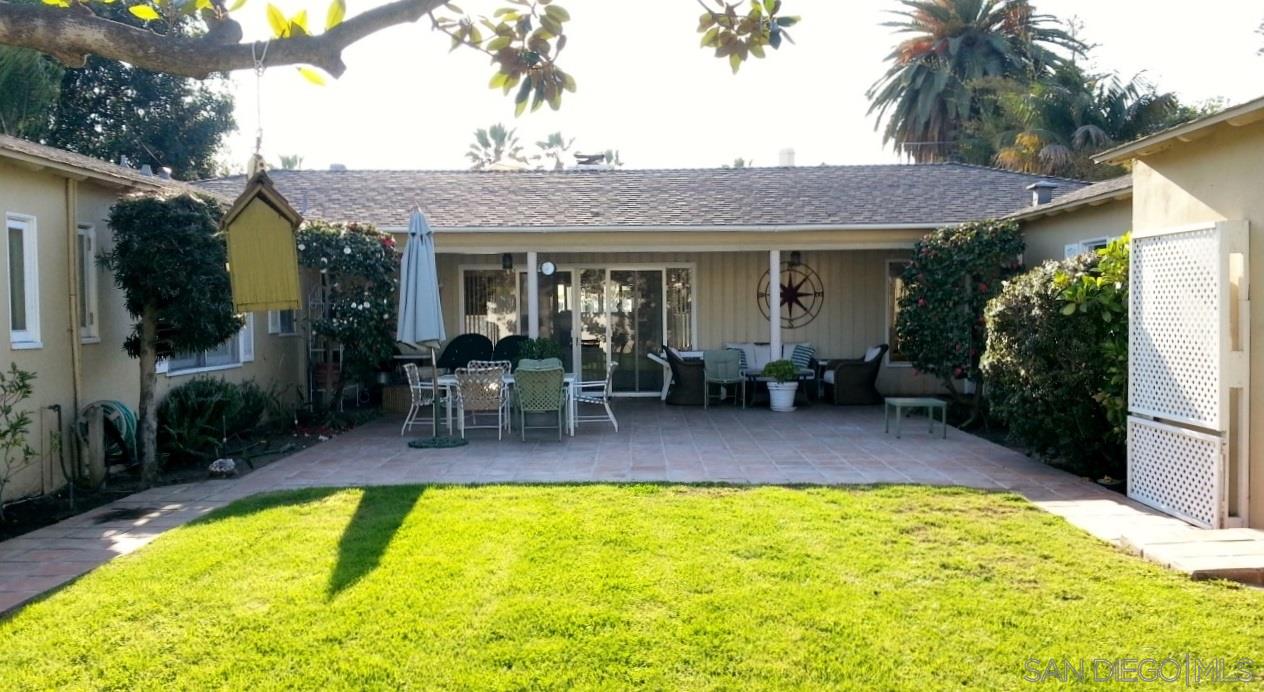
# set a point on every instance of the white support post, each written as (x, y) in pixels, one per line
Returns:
(774, 303)
(533, 296)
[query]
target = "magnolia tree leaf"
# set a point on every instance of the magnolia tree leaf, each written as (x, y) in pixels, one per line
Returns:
(337, 10)
(276, 19)
(144, 12)
(312, 76)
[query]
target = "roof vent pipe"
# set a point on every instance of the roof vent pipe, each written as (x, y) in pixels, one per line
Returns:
(165, 172)
(1041, 192)
(145, 169)
(785, 158)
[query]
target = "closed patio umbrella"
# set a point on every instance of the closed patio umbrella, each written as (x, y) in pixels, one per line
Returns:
(420, 317)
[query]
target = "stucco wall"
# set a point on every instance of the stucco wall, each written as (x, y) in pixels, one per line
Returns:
(1217, 178)
(1047, 237)
(106, 371)
(43, 196)
(852, 317)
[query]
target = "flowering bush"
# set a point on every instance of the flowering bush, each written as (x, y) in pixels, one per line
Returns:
(1057, 360)
(358, 267)
(954, 272)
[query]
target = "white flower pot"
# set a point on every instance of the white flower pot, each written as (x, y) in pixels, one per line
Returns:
(781, 395)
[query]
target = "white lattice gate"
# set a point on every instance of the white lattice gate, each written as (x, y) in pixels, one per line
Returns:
(1188, 372)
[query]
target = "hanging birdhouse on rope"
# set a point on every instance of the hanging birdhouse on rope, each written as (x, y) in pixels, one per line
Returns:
(262, 258)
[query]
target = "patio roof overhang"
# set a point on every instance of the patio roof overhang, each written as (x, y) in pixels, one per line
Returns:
(1235, 116)
(485, 240)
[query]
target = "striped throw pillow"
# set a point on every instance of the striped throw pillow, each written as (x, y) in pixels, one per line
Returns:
(802, 356)
(741, 356)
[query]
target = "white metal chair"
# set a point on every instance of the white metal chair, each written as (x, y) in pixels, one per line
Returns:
(421, 396)
(480, 391)
(596, 393)
(507, 368)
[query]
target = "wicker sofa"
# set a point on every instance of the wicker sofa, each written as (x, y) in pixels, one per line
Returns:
(854, 381)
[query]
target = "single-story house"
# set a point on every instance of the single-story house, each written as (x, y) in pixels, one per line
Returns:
(1196, 383)
(615, 263)
(1078, 221)
(66, 319)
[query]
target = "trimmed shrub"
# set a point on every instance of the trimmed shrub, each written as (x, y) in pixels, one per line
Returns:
(201, 417)
(1056, 361)
(954, 272)
(540, 349)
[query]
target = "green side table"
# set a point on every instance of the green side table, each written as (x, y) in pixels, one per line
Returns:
(929, 403)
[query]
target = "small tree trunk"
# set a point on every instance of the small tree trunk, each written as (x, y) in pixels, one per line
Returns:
(148, 442)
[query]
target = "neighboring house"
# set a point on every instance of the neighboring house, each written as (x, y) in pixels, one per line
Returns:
(64, 318)
(1196, 435)
(627, 260)
(1078, 221)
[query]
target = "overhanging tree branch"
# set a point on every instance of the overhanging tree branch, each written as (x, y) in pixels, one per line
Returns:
(71, 35)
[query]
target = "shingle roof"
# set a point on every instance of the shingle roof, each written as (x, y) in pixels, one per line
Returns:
(12, 147)
(1115, 188)
(819, 195)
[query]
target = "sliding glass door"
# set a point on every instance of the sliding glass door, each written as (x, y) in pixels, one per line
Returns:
(636, 328)
(593, 339)
(597, 315)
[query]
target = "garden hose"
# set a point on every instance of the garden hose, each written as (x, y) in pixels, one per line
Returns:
(120, 430)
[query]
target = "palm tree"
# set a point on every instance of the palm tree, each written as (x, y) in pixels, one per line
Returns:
(291, 162)
(29, 84)
(925, 95)
(493, 146)
(554, 147)
(1059, 123)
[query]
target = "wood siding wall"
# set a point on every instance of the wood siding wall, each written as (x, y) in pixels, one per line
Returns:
(852, 318)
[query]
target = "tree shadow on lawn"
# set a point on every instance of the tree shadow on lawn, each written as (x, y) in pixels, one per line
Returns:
(379, 513)
(378, 516)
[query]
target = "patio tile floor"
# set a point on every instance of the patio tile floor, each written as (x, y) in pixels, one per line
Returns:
(818, 445)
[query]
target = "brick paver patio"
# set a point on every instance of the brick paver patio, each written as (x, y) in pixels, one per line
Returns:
(815, 445)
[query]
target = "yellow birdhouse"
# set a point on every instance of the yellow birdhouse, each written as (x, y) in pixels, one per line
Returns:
(262, 258)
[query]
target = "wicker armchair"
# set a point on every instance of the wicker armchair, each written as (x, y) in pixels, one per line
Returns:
(688, 385)
(480, 391)
(463, 349)
(539, 390)
(853, 381)
(509, 348)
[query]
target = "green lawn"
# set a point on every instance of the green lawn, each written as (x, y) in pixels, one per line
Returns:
(609, 586)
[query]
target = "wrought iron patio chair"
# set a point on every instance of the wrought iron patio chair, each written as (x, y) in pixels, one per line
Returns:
(597, 393)
(480, 391)
(539, 390)
(723, 368)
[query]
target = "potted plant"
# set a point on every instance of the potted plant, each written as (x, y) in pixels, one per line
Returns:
(781, 391)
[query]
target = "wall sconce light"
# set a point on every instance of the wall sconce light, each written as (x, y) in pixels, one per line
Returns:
(796, 258)
(506, 261)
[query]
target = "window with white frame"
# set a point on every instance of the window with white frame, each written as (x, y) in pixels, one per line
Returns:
(238, 349)
(1090, 245)
(87, 249)
(23, 259)
(281, 322)
(895, 289)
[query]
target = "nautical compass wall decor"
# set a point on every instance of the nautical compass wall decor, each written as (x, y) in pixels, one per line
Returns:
(802, 295)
